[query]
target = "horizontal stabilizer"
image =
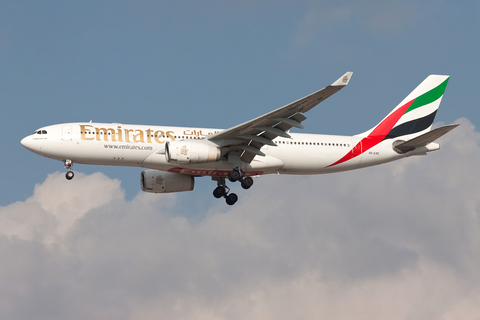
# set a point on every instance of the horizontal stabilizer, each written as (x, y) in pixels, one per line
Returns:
(424, 139)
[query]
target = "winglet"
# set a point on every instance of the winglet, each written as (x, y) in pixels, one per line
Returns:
(343, 80)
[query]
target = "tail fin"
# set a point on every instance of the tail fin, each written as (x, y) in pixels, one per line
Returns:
(412, 118)
(415, 114)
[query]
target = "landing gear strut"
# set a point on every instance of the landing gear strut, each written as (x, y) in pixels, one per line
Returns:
(68, 165)
(223, 191)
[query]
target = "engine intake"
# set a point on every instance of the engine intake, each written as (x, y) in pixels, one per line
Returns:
(187, 152)
(154, 181)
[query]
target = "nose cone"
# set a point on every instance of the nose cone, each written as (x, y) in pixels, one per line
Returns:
(27, 142)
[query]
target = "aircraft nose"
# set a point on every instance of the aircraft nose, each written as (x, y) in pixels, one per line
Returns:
(27, 143)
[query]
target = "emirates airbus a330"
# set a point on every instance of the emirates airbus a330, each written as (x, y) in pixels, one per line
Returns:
(264, 145)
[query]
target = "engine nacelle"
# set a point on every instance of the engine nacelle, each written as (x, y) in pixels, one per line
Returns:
(187, 152)
(162, 182)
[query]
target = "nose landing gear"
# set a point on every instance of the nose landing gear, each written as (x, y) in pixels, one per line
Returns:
(68, 165)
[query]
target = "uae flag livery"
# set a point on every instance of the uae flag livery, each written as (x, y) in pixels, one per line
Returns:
(412, 117)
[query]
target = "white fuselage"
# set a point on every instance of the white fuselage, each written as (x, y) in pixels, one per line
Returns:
(143, 146)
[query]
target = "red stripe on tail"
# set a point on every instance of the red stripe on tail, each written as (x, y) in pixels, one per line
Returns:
(377, 135)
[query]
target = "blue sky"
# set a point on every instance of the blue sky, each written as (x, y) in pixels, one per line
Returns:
(215, 64)
(107, 250)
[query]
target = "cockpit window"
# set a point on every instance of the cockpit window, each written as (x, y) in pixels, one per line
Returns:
(40, 132)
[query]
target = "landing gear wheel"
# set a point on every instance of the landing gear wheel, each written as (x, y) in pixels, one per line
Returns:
(69, 175)
(247, 183)
(231, 199)
(234, 175)
(219, 192)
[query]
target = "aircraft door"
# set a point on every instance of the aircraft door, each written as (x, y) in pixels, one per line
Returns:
(67, 133)
(357, 145)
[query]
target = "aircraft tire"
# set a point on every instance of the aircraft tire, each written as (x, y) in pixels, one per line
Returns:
(247, 183)
(231, 199)
(234, 175)
(219, 192)
(69, 175)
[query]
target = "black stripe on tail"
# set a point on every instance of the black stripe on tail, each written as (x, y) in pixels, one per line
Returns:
(412, 126)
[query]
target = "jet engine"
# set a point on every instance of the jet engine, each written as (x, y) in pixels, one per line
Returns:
(163, 182)
(189, 152)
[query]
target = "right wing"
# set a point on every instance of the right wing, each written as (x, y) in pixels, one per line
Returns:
(249, 137)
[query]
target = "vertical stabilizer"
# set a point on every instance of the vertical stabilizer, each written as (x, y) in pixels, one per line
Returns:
(415, 114)
(411, 118)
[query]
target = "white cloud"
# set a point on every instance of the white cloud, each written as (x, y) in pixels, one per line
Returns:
(56, 205)
(390, 242)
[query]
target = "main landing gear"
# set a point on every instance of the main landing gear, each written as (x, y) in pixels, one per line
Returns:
(236, 175)
(223, 191)
(68, 165)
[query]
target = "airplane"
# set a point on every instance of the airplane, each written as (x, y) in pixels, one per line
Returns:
(174, 156)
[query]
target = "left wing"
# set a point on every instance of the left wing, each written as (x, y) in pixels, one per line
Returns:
(249, 137)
